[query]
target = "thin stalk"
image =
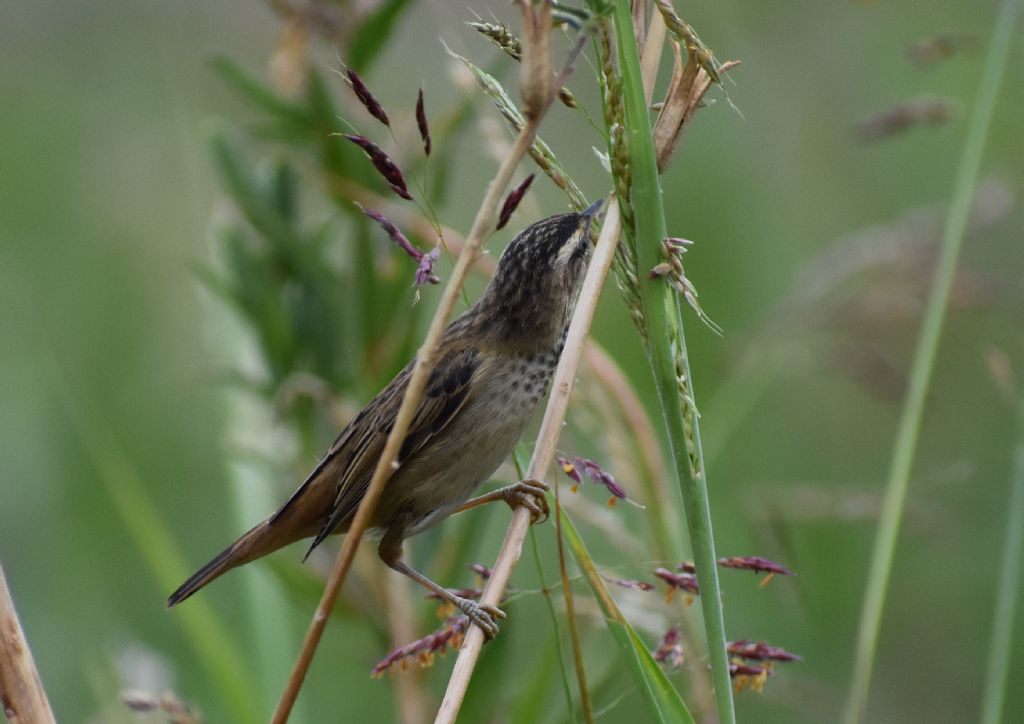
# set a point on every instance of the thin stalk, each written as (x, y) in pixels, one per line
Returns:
(21, 689)
(543, 455)
(665, 334)
(998, 669)
(554, 624)
(570, 612)
(909, 429)
(547, 598)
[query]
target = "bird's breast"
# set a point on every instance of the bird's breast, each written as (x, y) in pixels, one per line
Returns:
(450, 467)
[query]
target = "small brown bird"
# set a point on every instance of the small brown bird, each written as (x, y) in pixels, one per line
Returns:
(494, 364)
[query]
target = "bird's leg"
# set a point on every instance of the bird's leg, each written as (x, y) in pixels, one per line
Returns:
(483, 615)
(530, 494)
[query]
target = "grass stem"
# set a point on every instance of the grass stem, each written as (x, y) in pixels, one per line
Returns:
(909, 429)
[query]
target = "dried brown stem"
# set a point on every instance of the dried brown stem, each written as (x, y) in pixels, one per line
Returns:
(543, 455)
(21, 690)
(425, 361)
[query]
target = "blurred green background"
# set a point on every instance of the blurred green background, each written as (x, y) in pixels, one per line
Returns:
(812, 251)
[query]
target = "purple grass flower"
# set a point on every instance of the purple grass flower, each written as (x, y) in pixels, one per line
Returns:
(421, 123)
(756, 564)
(423, 650)
(759, 651)
(512, 201)
(481, 570)
(425, 270)
(576, 465)
(425, 260)
(678, 582)
(569, 469)
(631, 584)
(670, 651)
(369, 101)
(383, 163)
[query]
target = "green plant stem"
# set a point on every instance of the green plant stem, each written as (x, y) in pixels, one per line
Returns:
(570, 612)
(999, 649)
(551, 605)
(924, 362)
(666, 706)
(659, 312)
(554, 623)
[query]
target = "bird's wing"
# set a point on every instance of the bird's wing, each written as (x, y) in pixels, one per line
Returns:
(352, 459)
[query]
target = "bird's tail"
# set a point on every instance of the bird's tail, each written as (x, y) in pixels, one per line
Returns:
(261, 540)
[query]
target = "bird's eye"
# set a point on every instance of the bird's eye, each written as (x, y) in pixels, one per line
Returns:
(571, 249)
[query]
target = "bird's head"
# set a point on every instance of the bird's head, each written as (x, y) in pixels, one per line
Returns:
(538, 277)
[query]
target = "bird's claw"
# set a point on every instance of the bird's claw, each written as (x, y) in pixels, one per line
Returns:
(529, 494)
(482, 614)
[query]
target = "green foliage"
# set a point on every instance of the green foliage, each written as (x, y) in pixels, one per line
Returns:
(812, 250)
(905, 443)
(664, 702)
(666, 349)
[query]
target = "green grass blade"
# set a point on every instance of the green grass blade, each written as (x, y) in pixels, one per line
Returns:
(1007, 595)
(665, 702)
(667, 347)
(216, 651)
(924, 361)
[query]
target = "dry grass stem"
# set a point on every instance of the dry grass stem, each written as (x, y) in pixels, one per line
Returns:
(425, 361)
(535, 75)
(686, 91)
(543, 455)
(21, 690)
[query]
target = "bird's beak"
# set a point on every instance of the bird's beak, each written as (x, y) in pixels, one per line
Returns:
(589, 213)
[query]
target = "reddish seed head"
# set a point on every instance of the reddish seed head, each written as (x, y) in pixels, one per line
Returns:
(596, 473)
(421, 123)
(425, 270)
(756, 564)
(682, 581)
(747, 670)
(425, 261)
(569, 469)
(631, 584)
(481, 570)
(383, 163)
(670, 650)
(424, 649)
(759, 651)
(370, 103)
(512, 201)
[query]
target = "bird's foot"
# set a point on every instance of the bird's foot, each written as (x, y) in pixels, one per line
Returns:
(482, 614)
(529, 494)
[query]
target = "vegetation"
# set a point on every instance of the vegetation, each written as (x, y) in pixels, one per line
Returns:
(351, 154)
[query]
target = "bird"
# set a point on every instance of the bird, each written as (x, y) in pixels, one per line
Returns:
(494, 364)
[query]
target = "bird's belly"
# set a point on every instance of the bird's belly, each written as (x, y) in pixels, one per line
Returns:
(442, 476)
